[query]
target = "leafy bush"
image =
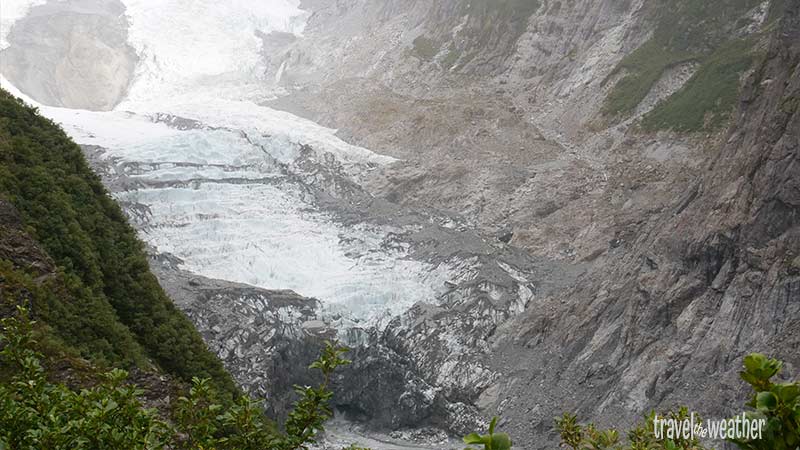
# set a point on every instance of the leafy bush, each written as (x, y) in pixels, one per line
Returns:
(778, 403)
(38, 414)
(642, 437)
(491, 441)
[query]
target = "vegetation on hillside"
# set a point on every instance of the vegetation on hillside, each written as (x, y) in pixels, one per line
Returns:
(688, 31)
(39, 414)
(707, 99)
(104, 302)
(489, 23)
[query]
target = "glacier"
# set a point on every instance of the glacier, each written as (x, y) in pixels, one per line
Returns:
(218, 196)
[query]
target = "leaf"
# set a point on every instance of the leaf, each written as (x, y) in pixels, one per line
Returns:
(753, 362)
(749, 378)
(500, 441)
(492, 425)
(766, 401)
(473, 438)
(787, 392)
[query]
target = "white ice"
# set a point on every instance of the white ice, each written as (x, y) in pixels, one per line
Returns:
(219, 202)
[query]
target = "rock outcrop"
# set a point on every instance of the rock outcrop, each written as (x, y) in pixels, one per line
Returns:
(710, 279)
(85, 62)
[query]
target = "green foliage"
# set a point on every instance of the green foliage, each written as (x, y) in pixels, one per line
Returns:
(642, 437)
(686, 30)
(313, 408)
(570, 431)
(777, 403)
(708, 98)
(108, 306)
(74, 314)
(243, 426)
(38, 414)
(491, 441)
(644, 67)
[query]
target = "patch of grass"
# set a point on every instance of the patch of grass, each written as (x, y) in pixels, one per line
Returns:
(643, 67)
(684, 30)
(708, 98)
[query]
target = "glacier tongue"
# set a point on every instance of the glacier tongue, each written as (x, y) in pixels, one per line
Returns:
(268, 235)
(225, 201)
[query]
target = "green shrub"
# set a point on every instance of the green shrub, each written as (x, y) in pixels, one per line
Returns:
(778, 403)
(491, 441)
(38, 414)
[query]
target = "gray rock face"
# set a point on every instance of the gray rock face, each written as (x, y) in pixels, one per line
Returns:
(688, 240)
(705, 282)
(85, 62)
(425, 366)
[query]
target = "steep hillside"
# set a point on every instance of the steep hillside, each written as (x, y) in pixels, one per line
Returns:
(627, 139)
(86, 276)
(527, 117)
(711, 278)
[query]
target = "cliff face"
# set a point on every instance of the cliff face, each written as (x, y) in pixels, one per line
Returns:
(85, 61)
(713, 277)
(525, 125)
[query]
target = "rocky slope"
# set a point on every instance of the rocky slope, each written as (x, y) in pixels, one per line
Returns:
(85, 62)
(689, 237)
(512, 138)
(711, 278)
